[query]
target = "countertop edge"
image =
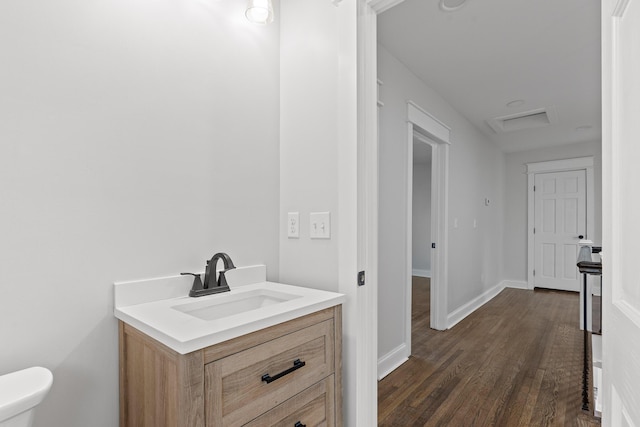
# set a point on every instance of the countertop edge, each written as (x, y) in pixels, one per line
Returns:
(231, 333)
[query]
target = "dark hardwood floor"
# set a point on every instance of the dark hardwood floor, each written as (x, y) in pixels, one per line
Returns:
(517, 361)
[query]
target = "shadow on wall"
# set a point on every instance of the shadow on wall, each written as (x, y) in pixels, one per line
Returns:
(77, 374)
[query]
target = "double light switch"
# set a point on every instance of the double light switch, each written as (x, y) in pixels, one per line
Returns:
(320, 225)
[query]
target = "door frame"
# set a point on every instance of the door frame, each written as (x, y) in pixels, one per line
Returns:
(564, 165)
(361, 410)
(428, 129)
(619, 388)
(365, 404)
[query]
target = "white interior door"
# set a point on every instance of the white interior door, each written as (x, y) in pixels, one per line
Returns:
(621, 214)
(560, 218)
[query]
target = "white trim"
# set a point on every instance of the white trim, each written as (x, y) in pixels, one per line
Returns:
(610, 195)
(437, 137)
(408, 250)
(436, 129)
(620, 8)
(515, 284)
(628, 310)
(380, 83)
(531, 210)
(365, 402)
(391, 361)
(417, 135)
(361, 409)
(380, 6)
(421, 273)
(463, 311)
(578, 163)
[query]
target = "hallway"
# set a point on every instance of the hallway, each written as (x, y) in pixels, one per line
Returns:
(515, 361)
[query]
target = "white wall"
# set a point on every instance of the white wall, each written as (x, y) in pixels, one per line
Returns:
(137, 139)
(421, 213)
(476, 172)
(515, 236)
(318, 157)
(309, 139)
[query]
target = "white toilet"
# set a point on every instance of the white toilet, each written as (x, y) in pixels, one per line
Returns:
(20, 393)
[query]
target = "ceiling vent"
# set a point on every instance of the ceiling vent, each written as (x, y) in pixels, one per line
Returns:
(526, 120)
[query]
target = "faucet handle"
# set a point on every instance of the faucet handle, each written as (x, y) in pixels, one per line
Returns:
(197, 281)
(190, 274)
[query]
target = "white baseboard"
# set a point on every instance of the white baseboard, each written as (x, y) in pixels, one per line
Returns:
(421, 273)
(515, 284)
(392, 360)
(468, 308)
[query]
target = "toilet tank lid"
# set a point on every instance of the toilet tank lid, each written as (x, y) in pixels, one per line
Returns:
(22, 390)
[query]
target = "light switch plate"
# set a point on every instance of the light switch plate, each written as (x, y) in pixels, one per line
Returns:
(320, 225)
(293, 225)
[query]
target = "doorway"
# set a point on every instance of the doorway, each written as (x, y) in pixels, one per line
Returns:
(421, 238)
(395, 298)
(421, 209)
(560, 213)
(428, 131)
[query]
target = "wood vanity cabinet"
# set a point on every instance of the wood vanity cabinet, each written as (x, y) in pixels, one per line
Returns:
(285, 375)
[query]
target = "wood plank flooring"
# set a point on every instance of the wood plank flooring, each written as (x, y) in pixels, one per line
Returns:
(517, 361)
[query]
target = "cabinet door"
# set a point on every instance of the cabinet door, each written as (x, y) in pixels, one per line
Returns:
(236, 389)
(158, 387)
(314, 407)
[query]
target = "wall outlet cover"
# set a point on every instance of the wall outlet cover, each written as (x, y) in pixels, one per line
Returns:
(293, 225)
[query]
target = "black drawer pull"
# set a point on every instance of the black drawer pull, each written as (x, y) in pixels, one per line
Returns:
(297, 364)
(299, 424)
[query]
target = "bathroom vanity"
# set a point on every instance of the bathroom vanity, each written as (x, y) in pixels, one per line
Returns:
(273, 360)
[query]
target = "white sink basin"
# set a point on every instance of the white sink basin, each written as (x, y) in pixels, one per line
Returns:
(161, 308)
(225, 305)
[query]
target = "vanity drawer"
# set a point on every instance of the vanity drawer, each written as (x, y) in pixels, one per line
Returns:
(311, 408)
(238, 387)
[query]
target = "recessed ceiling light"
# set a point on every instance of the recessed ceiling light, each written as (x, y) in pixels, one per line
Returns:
(516, 103)
(452, 5)
(584, 128)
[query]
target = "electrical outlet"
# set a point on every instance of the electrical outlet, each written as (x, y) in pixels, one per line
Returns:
(293, 225)
(320, 225)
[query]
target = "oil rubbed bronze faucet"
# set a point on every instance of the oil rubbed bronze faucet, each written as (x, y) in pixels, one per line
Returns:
(199, 289)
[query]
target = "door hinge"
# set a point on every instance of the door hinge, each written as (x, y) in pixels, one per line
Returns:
(534, 188)
(433, 246)
(534, 271)
(361, 278)
(534, 230)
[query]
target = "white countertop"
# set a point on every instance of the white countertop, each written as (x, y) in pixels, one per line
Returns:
(150, 306)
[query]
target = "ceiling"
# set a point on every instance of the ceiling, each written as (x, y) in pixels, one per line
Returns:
(492, 52)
